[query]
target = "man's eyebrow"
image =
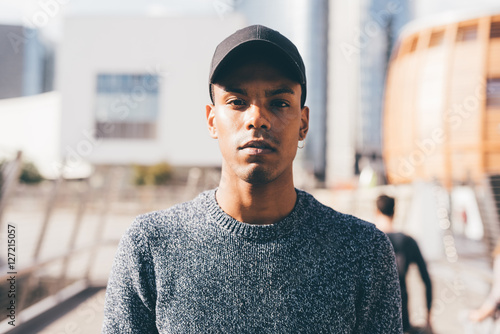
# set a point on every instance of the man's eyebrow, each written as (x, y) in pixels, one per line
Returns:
(236, 90)
(281, 90)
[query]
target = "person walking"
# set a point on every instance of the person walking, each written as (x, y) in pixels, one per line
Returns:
(407, 252)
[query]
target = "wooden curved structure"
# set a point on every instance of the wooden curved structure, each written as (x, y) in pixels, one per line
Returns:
(442, 106)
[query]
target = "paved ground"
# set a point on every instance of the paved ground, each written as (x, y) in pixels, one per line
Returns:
(458, 286)
(85, 319)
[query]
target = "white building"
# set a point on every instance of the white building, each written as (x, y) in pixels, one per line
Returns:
(134, 89)
(361, 35)
(31, 124)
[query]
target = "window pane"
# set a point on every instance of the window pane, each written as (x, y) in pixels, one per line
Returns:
(126, 104)
(437, 39)
(125, 130)
(493, 93)
(467, 33)
(495, 29)
(414, 44)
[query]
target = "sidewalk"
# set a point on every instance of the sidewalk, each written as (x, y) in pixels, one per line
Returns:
(457, 288)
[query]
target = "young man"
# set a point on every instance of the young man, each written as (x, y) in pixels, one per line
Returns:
(254, 255)
(407, 252)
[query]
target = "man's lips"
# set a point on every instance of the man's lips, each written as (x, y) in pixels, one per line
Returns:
(257, 147)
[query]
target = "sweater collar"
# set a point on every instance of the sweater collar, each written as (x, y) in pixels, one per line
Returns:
(281, 228)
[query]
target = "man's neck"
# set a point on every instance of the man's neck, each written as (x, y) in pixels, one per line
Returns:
(257, 204)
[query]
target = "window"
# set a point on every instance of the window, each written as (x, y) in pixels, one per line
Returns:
(493, 92)
(126, 106)
(437, 39)
(414, 44)
(467, 33)
(495, 29)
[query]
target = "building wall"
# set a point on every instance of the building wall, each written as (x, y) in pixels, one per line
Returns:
(343, 91)
(443, 101)
(22, 62)
(361, 36)
(381, 22)
(177, 50)
(32, 125)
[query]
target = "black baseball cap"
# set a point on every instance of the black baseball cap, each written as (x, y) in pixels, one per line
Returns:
(268, 41)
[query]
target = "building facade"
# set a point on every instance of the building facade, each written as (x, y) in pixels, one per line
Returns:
(26, 62)
(442, 115)
(360, 39)
(134, 89)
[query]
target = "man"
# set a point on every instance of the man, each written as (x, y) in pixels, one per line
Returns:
(254, 255)
(407, 252)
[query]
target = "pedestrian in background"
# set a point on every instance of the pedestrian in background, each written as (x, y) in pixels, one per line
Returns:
(488, 311)
(407, 252)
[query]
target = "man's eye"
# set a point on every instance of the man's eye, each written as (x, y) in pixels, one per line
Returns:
(279, 104)
(236, 102)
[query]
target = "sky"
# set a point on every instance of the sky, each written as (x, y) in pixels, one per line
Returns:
(431, 7)
(49, 13)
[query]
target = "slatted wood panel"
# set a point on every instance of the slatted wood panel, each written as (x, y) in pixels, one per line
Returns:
(495, 27)
(464, 106)
(436, 85)
(494, 56)
(493, 125)
(402, 113)
(492, 113)
(493, 162)
(429, 105)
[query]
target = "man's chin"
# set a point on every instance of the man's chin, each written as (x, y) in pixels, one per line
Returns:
(258, 176)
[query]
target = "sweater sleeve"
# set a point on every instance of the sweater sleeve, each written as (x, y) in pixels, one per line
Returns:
(130, 295)
(381, 313)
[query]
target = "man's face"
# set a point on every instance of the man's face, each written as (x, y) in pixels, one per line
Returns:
(258, 121)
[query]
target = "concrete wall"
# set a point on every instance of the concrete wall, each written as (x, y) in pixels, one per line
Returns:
(343, 90)
(32, 125)
(179, 50)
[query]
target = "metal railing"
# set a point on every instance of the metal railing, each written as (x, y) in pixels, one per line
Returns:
(100, 195)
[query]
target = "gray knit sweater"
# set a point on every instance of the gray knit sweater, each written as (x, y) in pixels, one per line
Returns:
(194, 269)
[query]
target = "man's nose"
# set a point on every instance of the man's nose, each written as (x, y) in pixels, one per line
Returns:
(257, 117)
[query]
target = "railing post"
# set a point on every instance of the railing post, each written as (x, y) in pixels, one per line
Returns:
(48, 213)
(84, 198)
(36, 254)
(114, 177)
(9, 184)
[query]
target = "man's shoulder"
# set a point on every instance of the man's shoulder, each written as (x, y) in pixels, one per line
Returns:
(330, 218)
(173, 217)
(354, 238)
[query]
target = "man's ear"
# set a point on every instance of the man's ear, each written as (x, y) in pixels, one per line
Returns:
(211, 122)
(304, 123)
